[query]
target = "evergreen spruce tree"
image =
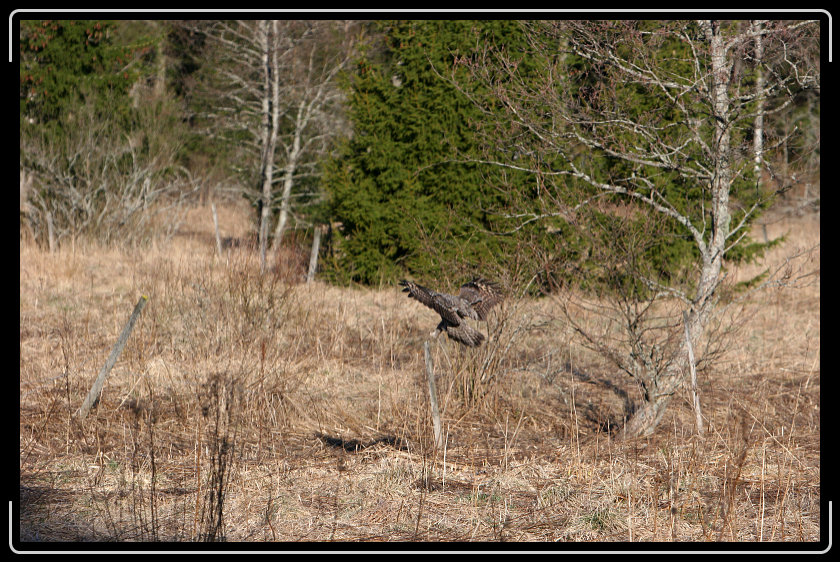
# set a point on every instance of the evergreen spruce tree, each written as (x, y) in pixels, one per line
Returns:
(62, 61)
(406, 189)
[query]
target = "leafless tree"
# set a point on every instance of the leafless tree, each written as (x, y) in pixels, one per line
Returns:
(314, 117)
(276, 95)
(666, 101)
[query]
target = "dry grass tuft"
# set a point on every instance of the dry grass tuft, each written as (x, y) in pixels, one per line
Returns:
(251, 407)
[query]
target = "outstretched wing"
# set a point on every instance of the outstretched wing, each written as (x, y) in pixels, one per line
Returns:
(482, 296)
(445, 305)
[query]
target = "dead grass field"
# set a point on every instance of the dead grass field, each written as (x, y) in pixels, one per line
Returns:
(253, 408)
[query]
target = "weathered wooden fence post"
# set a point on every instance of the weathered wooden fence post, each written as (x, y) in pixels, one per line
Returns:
(313, 257)
(430, 377)
(93, 395)
(216, 229)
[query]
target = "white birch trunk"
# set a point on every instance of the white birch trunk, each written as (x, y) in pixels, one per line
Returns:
(270, 120)
(662, 388)
(313, 256)
(286, 195)
(758, 131)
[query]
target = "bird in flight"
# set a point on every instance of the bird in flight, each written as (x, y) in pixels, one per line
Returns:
(474, 301)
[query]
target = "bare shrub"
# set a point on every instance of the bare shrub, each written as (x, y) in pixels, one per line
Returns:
(101, 180)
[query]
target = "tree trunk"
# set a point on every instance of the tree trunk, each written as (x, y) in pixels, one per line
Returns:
(270, 121)
(286, 196)
(658, 394)
(647, 417)
(758, 130)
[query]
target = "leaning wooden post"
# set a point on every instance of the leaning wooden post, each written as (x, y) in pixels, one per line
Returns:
(50, 232)
(313, 257)
(430, 377)
(216, 229)
(93, 395)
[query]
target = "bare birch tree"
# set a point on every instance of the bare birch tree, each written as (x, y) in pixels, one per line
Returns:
(657, 118)
(276, 104)
(313, 95)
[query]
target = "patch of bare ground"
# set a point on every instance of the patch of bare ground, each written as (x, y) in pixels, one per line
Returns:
(251, 407)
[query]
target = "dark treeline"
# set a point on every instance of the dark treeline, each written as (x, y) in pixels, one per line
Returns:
(430, 148)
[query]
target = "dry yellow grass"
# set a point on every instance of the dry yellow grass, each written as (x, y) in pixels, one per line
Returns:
(305, 406)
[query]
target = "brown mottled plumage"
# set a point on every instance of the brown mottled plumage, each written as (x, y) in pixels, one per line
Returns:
(474, 301)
